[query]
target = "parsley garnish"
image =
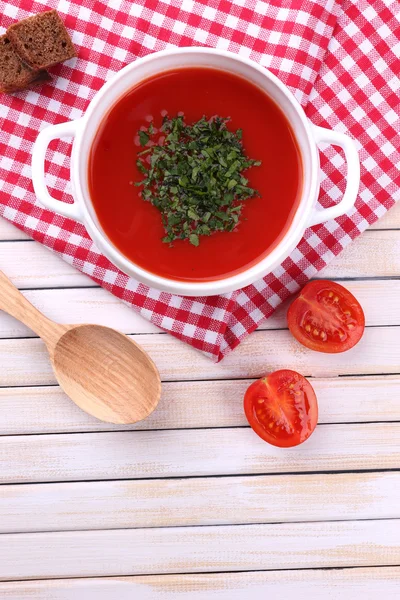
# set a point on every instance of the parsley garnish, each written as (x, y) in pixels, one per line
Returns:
(194, 177)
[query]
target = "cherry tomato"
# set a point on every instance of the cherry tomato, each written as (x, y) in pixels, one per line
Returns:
(326, 317)
(282, 408)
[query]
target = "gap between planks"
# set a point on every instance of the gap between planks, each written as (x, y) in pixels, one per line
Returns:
(368, 583)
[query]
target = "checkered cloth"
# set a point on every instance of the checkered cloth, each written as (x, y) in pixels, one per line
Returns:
(341, 60)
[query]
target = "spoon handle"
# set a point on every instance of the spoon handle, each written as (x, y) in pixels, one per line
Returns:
(16, 305)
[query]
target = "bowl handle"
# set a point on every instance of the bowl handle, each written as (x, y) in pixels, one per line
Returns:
(68, 129)
(353, 174)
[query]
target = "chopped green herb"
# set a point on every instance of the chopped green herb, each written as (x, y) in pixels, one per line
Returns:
(193, 175)
(194, 239)
(143, 138)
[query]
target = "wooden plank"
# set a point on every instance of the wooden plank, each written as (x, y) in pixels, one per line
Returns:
(9, 232)
(197, 404)
(197, 452)
(199, 549)
(187, 502)
(390, 220)
(338, 584)
(79, 305)
(374, 254)
(30, 265)
(26, 362)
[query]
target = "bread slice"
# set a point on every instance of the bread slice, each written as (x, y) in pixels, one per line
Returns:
(14, 74)
(42, 40)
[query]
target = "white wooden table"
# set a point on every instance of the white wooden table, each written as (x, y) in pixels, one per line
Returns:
(190, 504)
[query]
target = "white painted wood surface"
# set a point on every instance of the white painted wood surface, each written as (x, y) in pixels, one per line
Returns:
(374, 254)
(338, 584)
(26, 362)
(184, 502)
(200, 549)
(197, 404)
(195, 452)
(76, 305)
(390, 220)
(192, 489)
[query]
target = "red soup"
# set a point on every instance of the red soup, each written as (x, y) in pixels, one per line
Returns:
(135, 227)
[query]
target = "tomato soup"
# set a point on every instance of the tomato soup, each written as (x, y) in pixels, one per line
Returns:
(135, 227)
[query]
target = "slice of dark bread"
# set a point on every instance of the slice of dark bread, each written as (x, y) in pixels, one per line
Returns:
(42, 40)
(14, 74)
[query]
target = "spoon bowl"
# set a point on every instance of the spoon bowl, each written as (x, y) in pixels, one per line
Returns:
(102, 370)
(106, 374)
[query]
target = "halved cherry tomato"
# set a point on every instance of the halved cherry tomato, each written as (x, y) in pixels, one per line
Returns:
(282, 408)
(326, 317)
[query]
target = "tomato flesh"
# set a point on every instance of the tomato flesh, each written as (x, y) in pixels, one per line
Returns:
(326, 317)
(282, 408)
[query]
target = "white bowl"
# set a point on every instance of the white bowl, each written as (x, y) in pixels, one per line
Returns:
(308, 136)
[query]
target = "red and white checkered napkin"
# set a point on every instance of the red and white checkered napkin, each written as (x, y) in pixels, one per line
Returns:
(339, 58)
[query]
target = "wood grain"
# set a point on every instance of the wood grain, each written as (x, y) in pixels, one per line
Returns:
(25, 361)
(199, 549)
(198, 404)
(176, 502)
(80, 305)
(197, 452)
(374, 254)
(103, 371)
(390, 220)
(243, 504)
(106, 374)
(46, 269)
(14, 303)
(336, 584)
(95, 305)
(10, 232)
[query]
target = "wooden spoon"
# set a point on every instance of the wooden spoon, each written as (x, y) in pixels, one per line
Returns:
(103, 371)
